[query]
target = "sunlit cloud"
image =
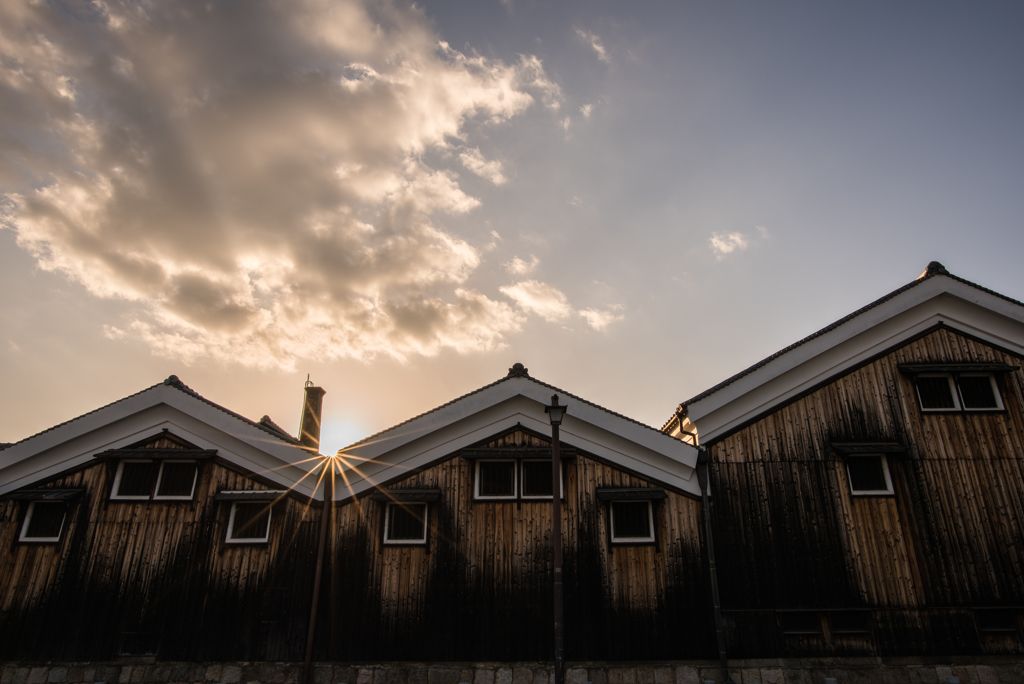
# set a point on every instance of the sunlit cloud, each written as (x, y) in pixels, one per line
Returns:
(586, 109)
(258, 188)
(539, 298)
(595, 44)
(763, 232)
(475, 162)
(600, 320)
(521, 267)
(723, 244)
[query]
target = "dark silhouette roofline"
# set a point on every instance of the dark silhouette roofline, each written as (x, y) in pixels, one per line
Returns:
(934, 269)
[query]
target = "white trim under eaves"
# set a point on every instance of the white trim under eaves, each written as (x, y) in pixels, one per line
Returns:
(939, 300)
(125, 422)
(516, 401)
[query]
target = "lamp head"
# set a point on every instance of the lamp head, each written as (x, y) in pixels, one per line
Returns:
(555, 412)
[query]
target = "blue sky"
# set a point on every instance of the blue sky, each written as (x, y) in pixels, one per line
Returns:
(634, 200)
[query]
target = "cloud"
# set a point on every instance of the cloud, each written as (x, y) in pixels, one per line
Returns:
(763, 232)
(520, 267)
(576, 201)
(253, 178)
(475, 162)
(586, 109)
(723, 244)
(566, 122)
(540, 298)
(600, 320)
(594, 42)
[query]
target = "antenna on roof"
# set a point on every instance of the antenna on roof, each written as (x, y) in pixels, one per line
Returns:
(309, 383)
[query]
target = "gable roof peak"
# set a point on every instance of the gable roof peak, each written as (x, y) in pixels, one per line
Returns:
(518, 370)
(934, 268)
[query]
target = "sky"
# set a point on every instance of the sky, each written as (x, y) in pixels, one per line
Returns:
(634, 200)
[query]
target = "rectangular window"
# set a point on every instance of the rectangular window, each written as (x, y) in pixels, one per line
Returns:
(849, 622)
(996, 620)
(496, 479)
(799, 623)
(536, 480)
(249, 522)
(956, 392)
(869, 475)
(632, 521)
(44, 521)
(405, 523)
(141, 480)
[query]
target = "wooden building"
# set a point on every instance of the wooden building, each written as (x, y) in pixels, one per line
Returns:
(166, 526)
(868, 481)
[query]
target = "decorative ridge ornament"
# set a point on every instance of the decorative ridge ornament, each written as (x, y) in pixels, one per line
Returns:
(518, 370)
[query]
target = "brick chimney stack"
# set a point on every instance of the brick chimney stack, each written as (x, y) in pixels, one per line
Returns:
(309, 424)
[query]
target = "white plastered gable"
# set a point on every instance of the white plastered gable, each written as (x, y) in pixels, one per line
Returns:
(75, 443)
(939, 299)
(518, 400)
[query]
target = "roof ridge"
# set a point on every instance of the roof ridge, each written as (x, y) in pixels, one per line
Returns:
(934, 269)
(517, 371)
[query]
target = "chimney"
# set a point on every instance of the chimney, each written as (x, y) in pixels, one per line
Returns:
(309, 423)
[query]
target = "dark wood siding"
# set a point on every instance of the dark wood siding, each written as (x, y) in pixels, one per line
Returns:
(158, 572)
(789, 535)
(481, 589)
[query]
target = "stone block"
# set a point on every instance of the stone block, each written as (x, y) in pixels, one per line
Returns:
(231, 674)
(76, 674)
(687, 675)
(179, 672)
(159, 674)
(968, 674)
(7, 674)
(798, 676)
(520, 675)
(37, 675)
(342, 674)
(365, 676)
(663, 675)
(503, 676)
(20, 675)
(751, 675)
(446, 675)
(108, 673)
(772, 676)
(709, 674)
(644, 674)
(88, 675)
(578, 675)
(1010, 673)
(417, 675)
(213, 673)
(57, 675)
(923, 675)
(598, 675)
(483, 676)
(396, 675)
(541, 675)
(379, 673)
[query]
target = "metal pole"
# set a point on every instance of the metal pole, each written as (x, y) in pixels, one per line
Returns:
(307, 668)
(556, 541)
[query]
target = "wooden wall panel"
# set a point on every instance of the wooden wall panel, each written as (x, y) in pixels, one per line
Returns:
(790, 535)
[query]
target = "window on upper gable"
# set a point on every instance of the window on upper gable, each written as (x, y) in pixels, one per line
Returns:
(950, 392)
(496, 479)
(869, 475)
(800, 623)
(44, 521)
(164, 480)
(405, 523)
(249, 522)
(632, 521)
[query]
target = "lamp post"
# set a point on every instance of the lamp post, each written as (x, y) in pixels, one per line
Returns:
(555, 414)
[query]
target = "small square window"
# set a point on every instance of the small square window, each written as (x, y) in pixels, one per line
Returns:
(996, 620)
(937, 393)
(141, 480)
(869, 474)
(849, 622)
(496, 479)
(979, 392)
(799, 623)
(176, 480)
(536, 480)
(44, 521)
(632, 521)
(249, 522)
(405, 523)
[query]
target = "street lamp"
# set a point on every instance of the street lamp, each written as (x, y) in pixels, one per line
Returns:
(555, 414)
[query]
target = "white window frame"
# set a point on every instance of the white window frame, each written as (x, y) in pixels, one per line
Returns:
(387, 521)
(28, 518)
(249, 540)
(954, 391)
(160, 477)
(117, 482)
(152, 496)
(536, 497)
(515, 480)
(889, 491)
(630, 540)
(995, 392)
